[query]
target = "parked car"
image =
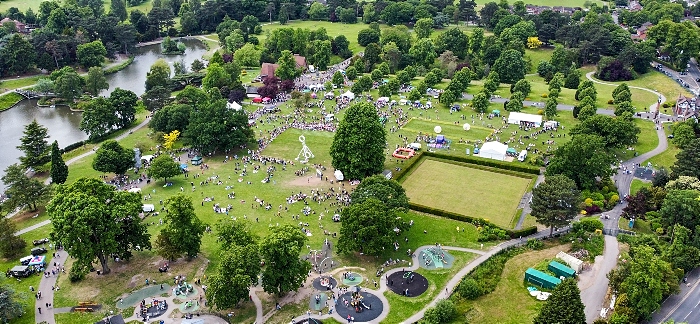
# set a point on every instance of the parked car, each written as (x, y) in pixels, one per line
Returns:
(38, 251)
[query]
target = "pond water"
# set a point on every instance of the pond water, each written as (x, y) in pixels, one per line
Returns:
(62, 123)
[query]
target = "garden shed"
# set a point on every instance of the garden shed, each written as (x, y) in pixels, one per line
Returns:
(541, 279)
(493, 150)
(571, 261)
(561, 270)
(520, 118)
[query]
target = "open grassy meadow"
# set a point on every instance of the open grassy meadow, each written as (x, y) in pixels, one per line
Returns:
(23, 5)
(550, 3)
(464, 190)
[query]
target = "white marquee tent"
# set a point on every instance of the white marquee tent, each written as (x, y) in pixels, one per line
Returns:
(348, 95)
(517, 118)
(493, 150)
(233, 105)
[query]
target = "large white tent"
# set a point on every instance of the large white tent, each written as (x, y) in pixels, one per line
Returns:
(571, 261)
(233, 105)
(517, 118)
(493, 150)
(348, 95)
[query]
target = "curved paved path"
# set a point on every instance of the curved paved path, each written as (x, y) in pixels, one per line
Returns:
(652, 108)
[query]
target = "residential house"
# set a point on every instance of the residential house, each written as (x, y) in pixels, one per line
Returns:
(21, 27)
(686, 107)
(267, 70)
(642, 31)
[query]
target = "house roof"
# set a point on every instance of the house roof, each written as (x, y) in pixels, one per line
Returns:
(301, 61)
(268, 69)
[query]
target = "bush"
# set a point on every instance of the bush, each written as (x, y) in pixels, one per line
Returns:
(540, 112)
(489, 233)
(72, 146)
(610, 102)
(544, 95)
(535, 244)
(443, 312)
(587, 224)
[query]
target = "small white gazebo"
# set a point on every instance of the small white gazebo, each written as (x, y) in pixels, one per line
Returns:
(233, 105)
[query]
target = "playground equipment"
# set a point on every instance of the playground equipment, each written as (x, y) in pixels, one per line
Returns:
(305, 151)
(403, 153)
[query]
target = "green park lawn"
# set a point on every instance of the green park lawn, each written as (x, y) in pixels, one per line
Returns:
(668, 157)
(510, 302)
(403, 307)
(23, 5)
(11, 84)
(550, 3)
(638, 184)
(9, 100)
(647, 140)
(333, 29)
(537, 55)
(467, 191)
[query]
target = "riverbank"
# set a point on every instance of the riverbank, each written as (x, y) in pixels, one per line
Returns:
(9, 100)
(112, 68)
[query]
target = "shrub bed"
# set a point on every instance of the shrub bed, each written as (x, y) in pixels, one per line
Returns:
(485, 277)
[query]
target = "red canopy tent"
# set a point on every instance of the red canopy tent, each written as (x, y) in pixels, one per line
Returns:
(257, 100)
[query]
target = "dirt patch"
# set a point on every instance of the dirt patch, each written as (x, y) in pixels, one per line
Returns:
(135, 280)
(26, 215)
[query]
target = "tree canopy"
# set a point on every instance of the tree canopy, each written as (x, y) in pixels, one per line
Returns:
(218, 128)
(564, 306)
(93, 220)
(34, 145)
(22, 191)
(183, 230)
(358, 145)
(368, 227)
(112, 157)
(555, 201)
(59, 169)
(284, 270)
(163, 167)
(582, 159)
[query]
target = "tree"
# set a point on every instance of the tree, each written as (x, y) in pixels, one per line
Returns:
(235, 232)
(550, 108)
(34, 145)
(555, 201)
(284, 270)
(389, 192)
(183, 230)
(59, 169)
(363, 84)
(583, 86)
(163, 167)
(91, 54)
(21, 190)
(368, 227)
(217, 128)
(239, 268)
(683, 134)
(158, 75)
(358, 145)
(661, 178)
(117, 8)
(112, 157)
(11, 245)
(338, 79)
(622, 93)
(322, 54)
(444, 311)
(515, 103)
(625, 107)
(318, 11)
(687, 161)
(522, 86)
(93, 220)
(533, 42)
(423, 27)
(17, 55)
(287, 69)
(556, 82)
(98, 117)
(453, 40)
(481, 102)
(216, 77)
(573, 79)
(44, 85)
(95, 81)
(351, 73)
(564, 306)
(68, 83)
(423, 52)
(680, 207)
(124, 105)
(617, 132)
(10, 305)
(582, 159)
(367, 36)
(247, 55)
(586, 109)
(681, 253)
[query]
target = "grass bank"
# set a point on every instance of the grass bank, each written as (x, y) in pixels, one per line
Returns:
(9, 100)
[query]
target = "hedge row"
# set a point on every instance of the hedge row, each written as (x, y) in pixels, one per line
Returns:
(119, 67)
(472, 220)
(487, 162)
(486, 168)
(408, 167)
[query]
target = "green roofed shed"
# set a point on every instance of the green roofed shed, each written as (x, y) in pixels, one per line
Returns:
(561, 270)
(541, 279)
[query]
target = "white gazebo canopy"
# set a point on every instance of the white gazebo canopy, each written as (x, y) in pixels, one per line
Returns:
(233, 105)
(348, 95)
(518, 117)
(493, 150)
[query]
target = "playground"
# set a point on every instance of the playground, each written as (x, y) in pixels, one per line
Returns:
(465, 190)
(325, 283)
(408, 283)
(351, 278)
(435, 258)
(363, 306)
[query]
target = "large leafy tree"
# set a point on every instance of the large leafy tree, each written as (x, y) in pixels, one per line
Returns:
(11, 246)
(617, 132)
(21, 190)
(681, 207)
(481, 102)
(158, 75)
(233, 232)
(17, 56)
(183, 230)
(358, 145)
(92, 220)
(112, 157)
(172, 117)
(238, 270)
(10, 305)
(284, 270)
(59, 169)
(423, 28)
(216, 77)
(218, 128)
(124, 105)
(68, 83)
(91, 54)
(681, 253)
(555, 201)
(687, 161)
(387, 191)
(368, 227)
(287, 69)
(163, 167)
(564, 306)
(423, 52)
(582, 159)
(510, 66)
(34, 145)
(117, 8)
(98, 117)
(95, 81)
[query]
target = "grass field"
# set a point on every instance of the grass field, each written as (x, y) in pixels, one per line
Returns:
(638, 184)
(510, 302)
(551, 3)
(460, 189)
(668, 157)
(647, 140)
(23, 5)
(541, 54)
(450, 130)
(287, 146)
(9, 100)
